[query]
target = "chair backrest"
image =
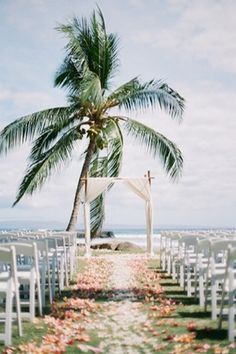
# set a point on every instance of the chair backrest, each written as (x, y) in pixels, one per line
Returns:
(187, 242)
(52, 243)
(204, 244)
(25, 253)
(231, 258)
(8, 257)
(232, 254)
(22, 248)
(230, 268)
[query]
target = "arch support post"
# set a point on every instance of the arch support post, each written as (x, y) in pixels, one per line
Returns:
(87, 220)
(149, 219)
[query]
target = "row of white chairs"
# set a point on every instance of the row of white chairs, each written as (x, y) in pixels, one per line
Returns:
(32, 266)
(201, 263)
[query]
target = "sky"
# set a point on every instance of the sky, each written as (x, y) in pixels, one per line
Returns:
(191, 45)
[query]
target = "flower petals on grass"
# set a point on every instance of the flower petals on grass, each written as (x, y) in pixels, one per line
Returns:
(66, 325)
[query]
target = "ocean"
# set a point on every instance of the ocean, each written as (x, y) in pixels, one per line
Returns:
(136, 236)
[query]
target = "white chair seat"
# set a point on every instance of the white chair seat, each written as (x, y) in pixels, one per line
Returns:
(24, 275)
(4, 287)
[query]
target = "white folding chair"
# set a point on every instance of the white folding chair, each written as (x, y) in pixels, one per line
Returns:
(62, 258)
(215, 273)
(229, 288)
(66, 242)
(28, 275)
(163, 241)
(44, 269)
(9, 289)
(203, 249)
(53, 269)
(168, 250)
(172, 255)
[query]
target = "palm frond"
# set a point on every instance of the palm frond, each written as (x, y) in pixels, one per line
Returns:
(43, 166)
(50, 135)
(134, 95)
(91, 91)
(124, 91)
(68, 75)
(97, 214)
(28, 127)
(157, 144)
(90, 48)
(97, 207)
(115, 148)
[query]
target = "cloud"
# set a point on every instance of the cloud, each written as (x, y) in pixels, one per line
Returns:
(199, 33)
(203, 30)
(4, 94)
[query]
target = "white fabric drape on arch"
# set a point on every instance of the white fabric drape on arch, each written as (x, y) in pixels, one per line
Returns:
(141, 187)
(94, 187)
(97, 185)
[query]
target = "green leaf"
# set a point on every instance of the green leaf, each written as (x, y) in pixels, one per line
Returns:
(134, 96)
(157, 144)
(28, 127)
(42, 167)
(89, 48)
(97, 214)
(50, 135)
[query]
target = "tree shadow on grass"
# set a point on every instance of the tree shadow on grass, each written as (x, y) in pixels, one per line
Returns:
(195, 314)
(183, 300)
(211, 333)
(176, 292)
(159, 271)
(168, 284)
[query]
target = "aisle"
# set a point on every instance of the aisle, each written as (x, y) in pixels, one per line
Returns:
(121, 322)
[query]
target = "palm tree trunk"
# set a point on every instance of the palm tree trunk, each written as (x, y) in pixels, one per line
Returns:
(74, 215)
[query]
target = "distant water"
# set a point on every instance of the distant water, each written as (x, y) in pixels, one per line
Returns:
(137, 236)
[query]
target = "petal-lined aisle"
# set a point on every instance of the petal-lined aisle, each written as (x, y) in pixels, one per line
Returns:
(120, 324)
(117, 305)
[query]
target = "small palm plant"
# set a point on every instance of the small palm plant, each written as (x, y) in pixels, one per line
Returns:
(90, 63)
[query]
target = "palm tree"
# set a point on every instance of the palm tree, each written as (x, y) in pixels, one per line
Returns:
(90, 63)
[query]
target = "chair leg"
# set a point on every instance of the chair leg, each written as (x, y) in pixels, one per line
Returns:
(8, 311)
(163, 266)
(206, 291)
(18, 310)
(43, 284)
(168, 265)
(66, 270)
(213, 298)
(62, 272)
(231, 323)
(32, 299)
(189, 285)
(201, 289)
(40, 308)
(53, 282)
(49, 280)
(182, 276)
(174, 275)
